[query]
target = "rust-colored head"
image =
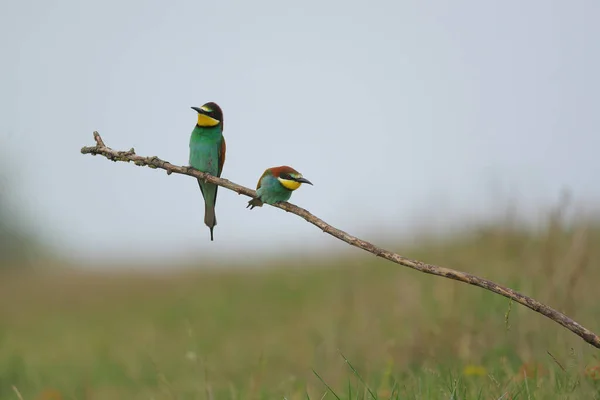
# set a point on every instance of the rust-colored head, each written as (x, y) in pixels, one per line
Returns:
(288, 177)
(209, 115)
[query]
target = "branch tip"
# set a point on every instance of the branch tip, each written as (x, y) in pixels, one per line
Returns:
(98, 139)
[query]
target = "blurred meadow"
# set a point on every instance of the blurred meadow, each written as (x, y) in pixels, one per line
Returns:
(348, 327)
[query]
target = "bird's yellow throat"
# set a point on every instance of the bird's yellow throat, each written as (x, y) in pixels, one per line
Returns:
(205, 120)
(290, 185)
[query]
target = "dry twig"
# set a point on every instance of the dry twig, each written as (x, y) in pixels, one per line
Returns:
(155, 162)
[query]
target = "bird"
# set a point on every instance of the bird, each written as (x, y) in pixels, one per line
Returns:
(276, 185)
(207, 154)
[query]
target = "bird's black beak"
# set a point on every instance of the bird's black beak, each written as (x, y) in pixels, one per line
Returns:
(303, 180)
(198, 110)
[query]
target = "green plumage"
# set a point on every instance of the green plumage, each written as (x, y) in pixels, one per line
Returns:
(207, 154)
(271, 189)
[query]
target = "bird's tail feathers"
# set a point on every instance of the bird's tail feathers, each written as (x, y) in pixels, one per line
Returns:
(256, 202)
(210, 198)
(210, 219)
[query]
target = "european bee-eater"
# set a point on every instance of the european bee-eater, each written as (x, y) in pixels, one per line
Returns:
(277, 184)
(207, 154)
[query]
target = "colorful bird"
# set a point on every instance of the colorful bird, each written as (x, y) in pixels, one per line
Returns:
(277, 184)
(207, 154)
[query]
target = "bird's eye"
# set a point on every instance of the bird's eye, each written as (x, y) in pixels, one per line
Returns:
(285, 176)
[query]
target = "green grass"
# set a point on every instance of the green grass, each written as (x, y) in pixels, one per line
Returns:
(348, 328)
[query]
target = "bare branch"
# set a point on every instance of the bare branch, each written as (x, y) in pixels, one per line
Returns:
(155, 162)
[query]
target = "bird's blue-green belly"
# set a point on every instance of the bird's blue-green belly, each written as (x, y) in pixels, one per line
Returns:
(271, 191)
(204, 156)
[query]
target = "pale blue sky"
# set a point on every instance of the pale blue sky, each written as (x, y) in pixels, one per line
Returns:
(401, 113)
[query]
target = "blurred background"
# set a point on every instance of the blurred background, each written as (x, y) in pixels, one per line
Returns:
(462, 134)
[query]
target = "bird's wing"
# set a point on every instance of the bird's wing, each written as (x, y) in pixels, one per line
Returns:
(222, 151)
(261, 178)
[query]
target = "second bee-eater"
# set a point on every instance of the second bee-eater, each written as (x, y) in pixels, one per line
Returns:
(207, 154)
(277, 184)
